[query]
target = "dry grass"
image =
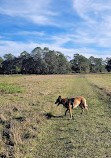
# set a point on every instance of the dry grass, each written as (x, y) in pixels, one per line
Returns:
(32, 126)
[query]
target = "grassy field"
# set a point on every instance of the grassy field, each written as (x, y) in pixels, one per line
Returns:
(32, 126)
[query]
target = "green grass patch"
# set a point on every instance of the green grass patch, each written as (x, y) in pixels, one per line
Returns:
(9, 88)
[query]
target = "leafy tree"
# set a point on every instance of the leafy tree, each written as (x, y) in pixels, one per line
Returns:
(17, 69)
(45, 61)
(1, 60)
(28, 66)
(63, 64)
(36, 51)
(96, 64)
(9, 56)
(108, 64)
(92, 64)
(7, 67)
(80, 64)
(24, 55)
(52, 63)
(46, 49)
(10, 66)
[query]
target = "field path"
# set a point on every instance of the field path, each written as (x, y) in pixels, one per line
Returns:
(85, 136)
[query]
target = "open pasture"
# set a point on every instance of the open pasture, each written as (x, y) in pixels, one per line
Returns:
(32, 126)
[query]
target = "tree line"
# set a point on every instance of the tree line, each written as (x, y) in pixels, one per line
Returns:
(45, 61)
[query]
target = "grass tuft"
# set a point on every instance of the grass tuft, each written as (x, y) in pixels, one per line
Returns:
(9, 88)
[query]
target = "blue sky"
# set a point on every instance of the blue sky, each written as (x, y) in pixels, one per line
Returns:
(69, 26)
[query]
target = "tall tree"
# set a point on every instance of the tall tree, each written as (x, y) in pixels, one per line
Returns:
(24, 55)
(80, 64)
(51, 60)
(46, 49)
(108, 64)
(63, 64)
(96, 64)
(9, 56)
(1, 61)
(39, 63)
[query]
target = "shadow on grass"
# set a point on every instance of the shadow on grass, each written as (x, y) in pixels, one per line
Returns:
(103, 90)
(50, 115)
(20, 119)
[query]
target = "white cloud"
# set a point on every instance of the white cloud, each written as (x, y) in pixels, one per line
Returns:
(96, 28)
(38, 12)
(61, 39)
(30, 33)
(92, 9)
(15, 47)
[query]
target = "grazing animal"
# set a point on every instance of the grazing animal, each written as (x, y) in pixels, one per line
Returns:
(72, 103)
